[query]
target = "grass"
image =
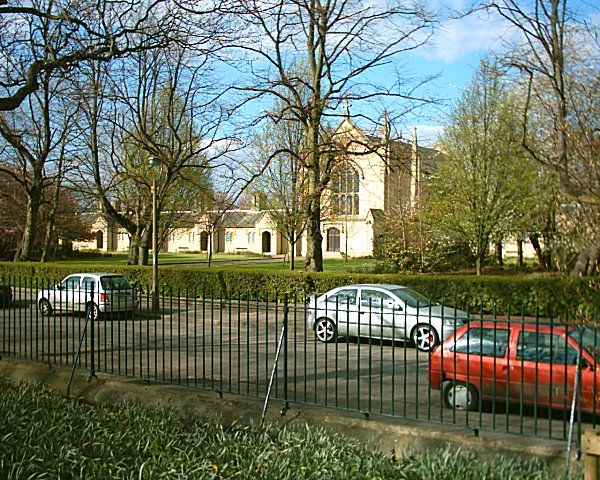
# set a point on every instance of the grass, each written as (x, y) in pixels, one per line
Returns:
(43, 435)
(329, 265)
(120, 258)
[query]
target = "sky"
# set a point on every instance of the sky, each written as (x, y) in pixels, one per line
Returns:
(452, 55)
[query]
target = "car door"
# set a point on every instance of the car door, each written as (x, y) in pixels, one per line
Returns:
(380, 315)
(480, 358)
(87, 285)
(68, 293)
(343, 307)
(543, 370)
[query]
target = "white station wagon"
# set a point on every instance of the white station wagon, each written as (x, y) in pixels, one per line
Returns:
(111, 293)
(389, 312)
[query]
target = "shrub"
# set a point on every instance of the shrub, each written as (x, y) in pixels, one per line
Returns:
(547, 294)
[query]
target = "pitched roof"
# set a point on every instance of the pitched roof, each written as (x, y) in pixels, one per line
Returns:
(239, 219)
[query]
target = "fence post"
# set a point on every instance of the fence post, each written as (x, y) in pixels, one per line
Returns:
(591, 450)
(286, 311)
(91, 311)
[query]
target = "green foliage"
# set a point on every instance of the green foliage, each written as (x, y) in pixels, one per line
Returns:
(131, 442)
(559, 295)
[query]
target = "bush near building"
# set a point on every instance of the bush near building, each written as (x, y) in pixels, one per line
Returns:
(548, 295)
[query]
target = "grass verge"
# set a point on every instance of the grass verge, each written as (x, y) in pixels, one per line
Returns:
(43, 435)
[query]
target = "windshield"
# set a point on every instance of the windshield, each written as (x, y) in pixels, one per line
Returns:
(412, 298)
(115, 283)
(589, 340)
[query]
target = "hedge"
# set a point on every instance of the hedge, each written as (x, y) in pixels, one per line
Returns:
(546, 294)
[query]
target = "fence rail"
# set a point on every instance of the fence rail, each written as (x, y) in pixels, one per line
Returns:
(434, 363)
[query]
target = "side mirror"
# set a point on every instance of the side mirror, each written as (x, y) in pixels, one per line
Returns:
(398, 308)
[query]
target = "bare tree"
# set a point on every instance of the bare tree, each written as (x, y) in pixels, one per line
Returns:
(552, 73)
(34, 136)
(283, 183)
(98, 31)
(340, 43)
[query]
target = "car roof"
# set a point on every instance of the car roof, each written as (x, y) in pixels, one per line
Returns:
(542, 327)
(90, 274)
(387, 286)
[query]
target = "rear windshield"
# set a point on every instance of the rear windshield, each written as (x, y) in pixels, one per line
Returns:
(115, 283)
(413, 299)
(590, 341)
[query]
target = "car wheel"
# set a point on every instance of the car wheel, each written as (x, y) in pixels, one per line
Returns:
(92, 311)
(424, 337)
(45, 307)
(325, 330)
(461, 396)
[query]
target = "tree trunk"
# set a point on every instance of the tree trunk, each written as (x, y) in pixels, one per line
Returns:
(478, 264)
(314, 240)
(34, 202)
(144, 247)
(499, 256)
(587, 260)
(51, 221)
(210, 248)
(133, 253)
(520, 253)
(539, 254)
(292, 254)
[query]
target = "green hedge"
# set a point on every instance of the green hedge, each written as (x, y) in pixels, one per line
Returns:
(525, 294)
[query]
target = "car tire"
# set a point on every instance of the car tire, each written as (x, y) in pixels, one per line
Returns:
(45, 307)
(461, 396)
(92, 311)
(424, 337)
(325, 330)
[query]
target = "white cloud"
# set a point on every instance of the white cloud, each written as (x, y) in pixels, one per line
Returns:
(458, 38)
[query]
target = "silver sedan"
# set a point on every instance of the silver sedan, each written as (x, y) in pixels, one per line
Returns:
(391, 312)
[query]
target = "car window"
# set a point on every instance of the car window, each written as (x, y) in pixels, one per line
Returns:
(87, 283)
(545, 348)
(589, 340)
(71, 283)
(115, 283)
(412, 299)
(375, 299)
(343, 297)
(489, 342)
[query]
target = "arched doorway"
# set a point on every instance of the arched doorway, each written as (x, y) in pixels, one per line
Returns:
(333, 240)
(266, 242)
(204, 242)
(99, 239)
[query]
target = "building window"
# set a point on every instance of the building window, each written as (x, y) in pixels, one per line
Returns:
(346, 184)
(333, 240)
(229, 237)
(251, 237)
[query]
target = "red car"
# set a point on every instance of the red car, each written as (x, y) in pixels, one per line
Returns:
(519, 363)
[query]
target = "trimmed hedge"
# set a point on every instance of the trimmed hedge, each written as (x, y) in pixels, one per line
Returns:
(546, 294)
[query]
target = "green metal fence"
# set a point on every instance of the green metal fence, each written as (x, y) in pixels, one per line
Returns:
(498, 371)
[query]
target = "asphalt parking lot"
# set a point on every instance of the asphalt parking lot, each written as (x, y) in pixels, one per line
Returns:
(230, 347)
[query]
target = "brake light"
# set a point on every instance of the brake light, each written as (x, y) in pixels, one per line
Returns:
(104, 297)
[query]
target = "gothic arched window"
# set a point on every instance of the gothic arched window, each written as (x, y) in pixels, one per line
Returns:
(333, 240)
(346, 183)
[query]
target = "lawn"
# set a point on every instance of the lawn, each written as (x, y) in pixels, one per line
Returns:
(229, 261)
(120, 258)
(46, 436)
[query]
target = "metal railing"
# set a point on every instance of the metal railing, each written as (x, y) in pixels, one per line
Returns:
(490, 370)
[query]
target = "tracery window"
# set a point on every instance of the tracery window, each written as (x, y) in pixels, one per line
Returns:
(346, 184)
